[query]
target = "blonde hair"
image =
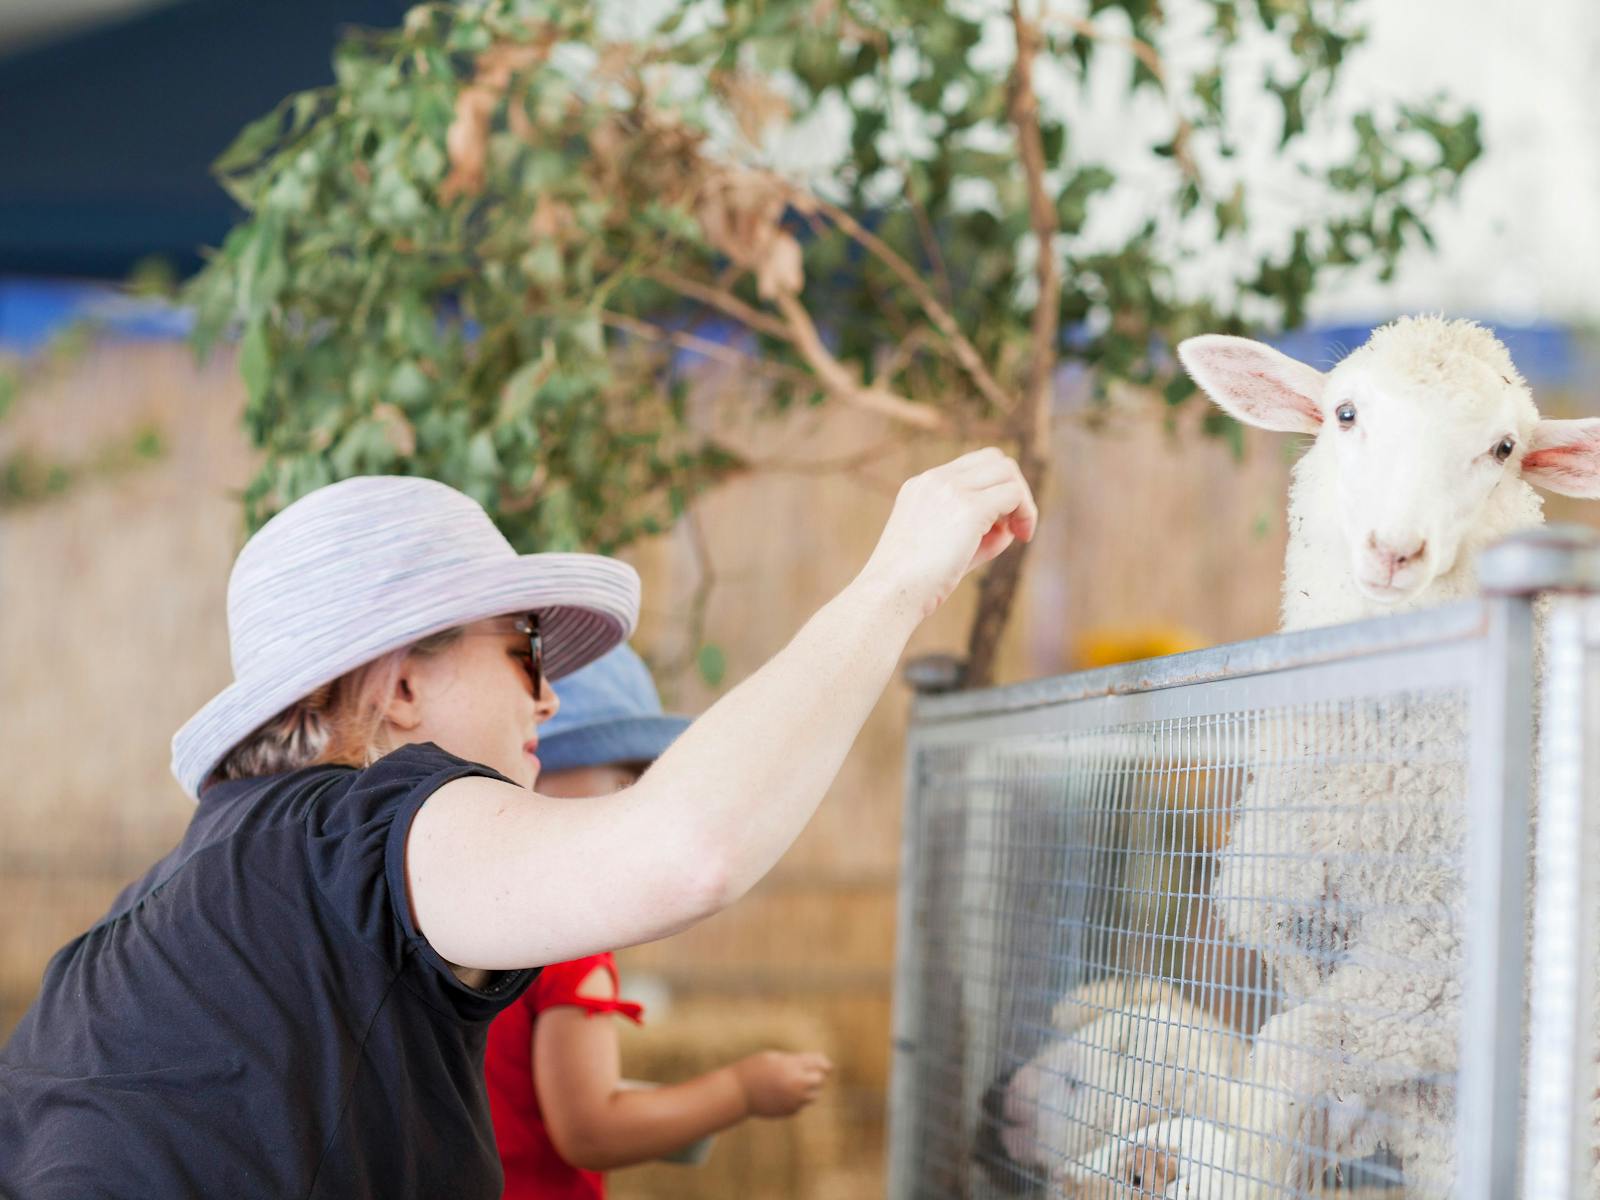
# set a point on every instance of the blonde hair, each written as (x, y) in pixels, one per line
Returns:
(340, 722)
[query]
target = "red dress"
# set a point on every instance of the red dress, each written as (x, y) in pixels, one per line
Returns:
(534, 1170)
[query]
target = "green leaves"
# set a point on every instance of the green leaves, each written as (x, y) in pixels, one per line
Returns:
(1292, 96)
(1220, 425)
(712, 664)
(1460, 141)
(1072, 203)
(254, 140)
(453, 259)
(255, 363)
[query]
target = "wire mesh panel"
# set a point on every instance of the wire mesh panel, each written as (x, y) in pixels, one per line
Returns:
(1197, 933)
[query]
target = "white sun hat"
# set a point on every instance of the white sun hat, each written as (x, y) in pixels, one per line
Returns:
(356, 569)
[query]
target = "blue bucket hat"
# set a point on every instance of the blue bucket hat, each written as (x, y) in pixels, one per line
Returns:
(610, 713)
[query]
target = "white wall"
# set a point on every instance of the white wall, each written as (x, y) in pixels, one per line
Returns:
(1524, 239)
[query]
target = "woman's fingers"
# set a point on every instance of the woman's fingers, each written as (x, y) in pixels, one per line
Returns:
(1012, 514)
(951, 519)
(1021, 510)
(992, 546)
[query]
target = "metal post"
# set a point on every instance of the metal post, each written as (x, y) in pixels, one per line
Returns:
(1560, 1043)
(1512, 575)
(929, 675)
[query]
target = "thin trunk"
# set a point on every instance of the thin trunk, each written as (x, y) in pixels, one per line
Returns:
(997, 591)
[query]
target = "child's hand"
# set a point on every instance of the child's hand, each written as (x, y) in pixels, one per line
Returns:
(777, 1084)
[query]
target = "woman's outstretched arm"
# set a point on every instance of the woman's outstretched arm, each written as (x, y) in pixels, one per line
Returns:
(500, 878)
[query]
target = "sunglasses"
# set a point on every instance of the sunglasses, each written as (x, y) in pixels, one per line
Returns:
(530, 626)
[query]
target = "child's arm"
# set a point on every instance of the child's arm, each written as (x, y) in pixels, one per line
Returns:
(597, 1124)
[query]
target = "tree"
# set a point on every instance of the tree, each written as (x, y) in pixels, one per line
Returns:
(482, 253)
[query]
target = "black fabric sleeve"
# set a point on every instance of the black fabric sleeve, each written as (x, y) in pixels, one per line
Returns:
(357, 838)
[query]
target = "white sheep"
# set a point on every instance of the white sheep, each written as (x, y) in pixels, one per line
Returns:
(1425, 441)
(1179, 1159)
(1133, 1053)
(1340, 868)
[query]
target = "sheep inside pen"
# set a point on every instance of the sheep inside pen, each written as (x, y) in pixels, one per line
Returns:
(1324, 882)
(1070, 948)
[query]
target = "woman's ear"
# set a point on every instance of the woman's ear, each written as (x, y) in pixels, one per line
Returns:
(402, 707)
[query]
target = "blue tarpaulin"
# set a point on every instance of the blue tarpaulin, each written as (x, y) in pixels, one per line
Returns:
(1549, 355)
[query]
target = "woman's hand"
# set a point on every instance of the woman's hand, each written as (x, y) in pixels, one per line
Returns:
(778, 1084)
(948, 521)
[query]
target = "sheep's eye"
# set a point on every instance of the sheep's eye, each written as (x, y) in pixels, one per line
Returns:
(1504, 449)
(1346, 413)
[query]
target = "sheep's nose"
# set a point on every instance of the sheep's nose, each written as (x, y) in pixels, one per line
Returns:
(1005, 1173)
(1396, 556)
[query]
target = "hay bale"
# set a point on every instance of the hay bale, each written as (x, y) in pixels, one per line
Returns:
(759, 1159)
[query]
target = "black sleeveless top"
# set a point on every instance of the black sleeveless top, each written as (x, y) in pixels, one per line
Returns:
(258, 1015)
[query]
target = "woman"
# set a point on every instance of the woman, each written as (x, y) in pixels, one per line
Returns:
(562, 1112)
(294, 1001)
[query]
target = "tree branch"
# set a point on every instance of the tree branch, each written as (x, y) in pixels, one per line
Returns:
(1151, 58)
(929, 242)
(1030, 422)
(722, 299)
(699, 601)
(965, 353)
(904, 351)
(1042, 213)
(841, 382)
(1142, 50)
(706, 347)
(797, 329)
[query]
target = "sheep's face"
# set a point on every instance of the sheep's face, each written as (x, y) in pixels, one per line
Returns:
(1419, 447)
(1114, 1074)
(1425, 424)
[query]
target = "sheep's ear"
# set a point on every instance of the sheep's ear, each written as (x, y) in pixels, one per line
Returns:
(1255, 383)
(1564, 456)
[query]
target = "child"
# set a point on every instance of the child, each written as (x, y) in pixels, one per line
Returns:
(561, 1112)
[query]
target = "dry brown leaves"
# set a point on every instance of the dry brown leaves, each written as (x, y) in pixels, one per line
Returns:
(552, 221)
(741, 214)
(616, 62)
(467, 139)
(466, 143)
(753, 104)
(644, 156)
(397, 428)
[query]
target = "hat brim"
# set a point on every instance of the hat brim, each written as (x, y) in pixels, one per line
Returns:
(619, 740)
(587, 605)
